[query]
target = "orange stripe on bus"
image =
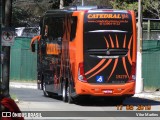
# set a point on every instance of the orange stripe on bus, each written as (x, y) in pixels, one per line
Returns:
(107, 44)
(125, 67)
(114, 67)
(112, 44)
(129, 54)
(134, 38)
(117, 44)
(108, 62)
(95, 67)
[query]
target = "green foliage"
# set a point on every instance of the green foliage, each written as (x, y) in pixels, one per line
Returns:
(92, 2)
(125, 5)
(19, 17)
(152, 7)
(14, 96)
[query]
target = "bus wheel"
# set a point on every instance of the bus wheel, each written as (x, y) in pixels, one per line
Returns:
(64, 92)
(70, 99)
(46, 94)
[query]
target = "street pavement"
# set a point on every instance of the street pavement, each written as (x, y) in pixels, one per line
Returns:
(154, 95)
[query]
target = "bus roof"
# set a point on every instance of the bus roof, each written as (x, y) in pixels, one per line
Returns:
(77, 8)
(70, 9)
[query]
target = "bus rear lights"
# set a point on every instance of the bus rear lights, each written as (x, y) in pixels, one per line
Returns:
(132, 77)
(81, 75)
(107, 91)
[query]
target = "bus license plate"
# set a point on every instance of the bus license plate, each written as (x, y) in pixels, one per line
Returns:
(108, 91)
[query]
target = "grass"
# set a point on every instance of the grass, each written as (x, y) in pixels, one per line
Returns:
(13, 96)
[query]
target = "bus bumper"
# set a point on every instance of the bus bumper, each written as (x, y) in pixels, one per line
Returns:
(127, 89)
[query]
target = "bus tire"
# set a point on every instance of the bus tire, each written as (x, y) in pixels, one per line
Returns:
(70, 99)
(64, 92)
(46, 94)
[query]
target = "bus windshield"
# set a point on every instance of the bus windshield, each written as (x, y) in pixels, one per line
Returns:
(108, 36)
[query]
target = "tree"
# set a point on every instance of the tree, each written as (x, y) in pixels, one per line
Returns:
(28, 13)
(153, 7)
(19, 17)
(125, 4)
(92, 2)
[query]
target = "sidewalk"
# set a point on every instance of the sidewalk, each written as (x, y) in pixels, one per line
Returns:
(155, 95)
(23, 85)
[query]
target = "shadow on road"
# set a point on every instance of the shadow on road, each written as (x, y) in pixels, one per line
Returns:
(140, 101)
(30, 95)
(111, 102)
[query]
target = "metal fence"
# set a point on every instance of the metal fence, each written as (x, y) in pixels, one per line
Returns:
(151, 52)
(151, 63)
(23, 62)
(151, 29)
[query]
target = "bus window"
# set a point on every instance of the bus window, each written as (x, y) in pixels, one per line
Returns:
(73, 28)
(53, 28)
(58, 30)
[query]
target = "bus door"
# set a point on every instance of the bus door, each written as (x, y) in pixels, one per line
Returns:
(108, 47)
(53, 31)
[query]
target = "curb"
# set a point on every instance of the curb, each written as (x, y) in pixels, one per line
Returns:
(23, 85)
(151, 96)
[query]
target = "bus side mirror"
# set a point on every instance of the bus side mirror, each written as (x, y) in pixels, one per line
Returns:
(33, 47)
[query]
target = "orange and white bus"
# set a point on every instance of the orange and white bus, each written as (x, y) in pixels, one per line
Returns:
(87, 51)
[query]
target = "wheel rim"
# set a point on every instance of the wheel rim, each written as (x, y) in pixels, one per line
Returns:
(68, 94)
(63, 93)
(44, 89)
(70, 99)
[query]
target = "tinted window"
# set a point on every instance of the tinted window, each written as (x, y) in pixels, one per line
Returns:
(73, 28)
(53, 27)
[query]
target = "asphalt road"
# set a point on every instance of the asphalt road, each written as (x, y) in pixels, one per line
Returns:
(33, 100)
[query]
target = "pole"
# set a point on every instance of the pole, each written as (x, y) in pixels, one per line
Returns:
(139, 80)
(82, 2)
(61, 4)
(0, 48)
(7, 13)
